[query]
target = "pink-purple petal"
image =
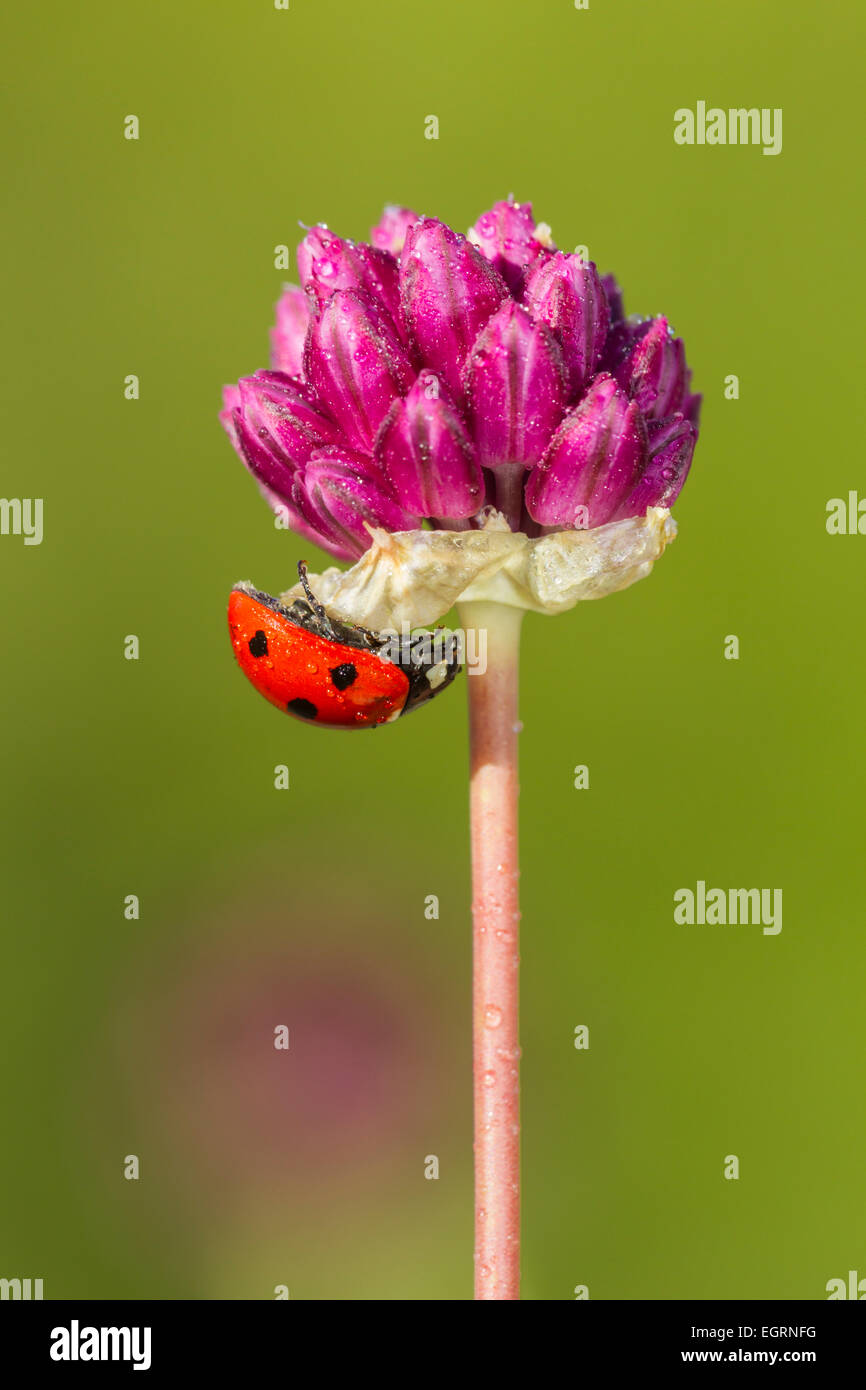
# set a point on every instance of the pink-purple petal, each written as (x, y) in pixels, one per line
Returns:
(613, 291)
(327, 263)
(594, 461)
(565, 292)
(356, 364)
(274, 425)
(283, 413)
(302, 521)
(448, 292)
(671, 447)
(344, 490)
(505, 236)
(389, 233)
(515, 385)
(653, 370)
(427, 457)
(290, 330)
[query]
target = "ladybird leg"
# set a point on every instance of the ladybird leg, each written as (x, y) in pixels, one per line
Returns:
(314, 602)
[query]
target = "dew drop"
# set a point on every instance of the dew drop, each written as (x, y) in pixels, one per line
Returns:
(492, 1016)
(489, 1078)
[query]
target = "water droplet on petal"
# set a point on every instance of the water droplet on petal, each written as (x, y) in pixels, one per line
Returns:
(492, 1016)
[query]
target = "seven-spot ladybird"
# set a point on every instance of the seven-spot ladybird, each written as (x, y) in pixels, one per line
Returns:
(329, 672)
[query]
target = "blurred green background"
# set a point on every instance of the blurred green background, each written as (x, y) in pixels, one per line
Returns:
(306, 906)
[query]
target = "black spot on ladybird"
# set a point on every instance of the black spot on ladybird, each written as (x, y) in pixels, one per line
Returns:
(343, 675)
(258, 644)
(305, 708)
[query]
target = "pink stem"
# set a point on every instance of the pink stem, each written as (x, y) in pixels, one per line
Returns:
(493, 729)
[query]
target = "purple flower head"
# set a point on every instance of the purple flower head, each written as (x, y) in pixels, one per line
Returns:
(425, 376)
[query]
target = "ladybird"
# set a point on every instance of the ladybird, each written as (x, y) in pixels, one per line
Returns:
(315, 667)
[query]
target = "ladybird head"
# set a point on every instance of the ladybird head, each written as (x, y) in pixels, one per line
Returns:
(430, 660)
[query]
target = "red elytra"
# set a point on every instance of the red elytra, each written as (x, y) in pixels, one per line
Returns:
(319, 669)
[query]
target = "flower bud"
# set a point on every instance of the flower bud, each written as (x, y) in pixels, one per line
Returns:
(231, 403)
(356, 364)
(505, 236)
(515, 384)
(426, 456)
(671, 446)
(653, 369)
(614, 298)
(448, 292)
(282, 412)
(565, 292)
(390, 231)
(594, 461)
(275, 427)
(327, 263)
(290, 330)
(343, 490)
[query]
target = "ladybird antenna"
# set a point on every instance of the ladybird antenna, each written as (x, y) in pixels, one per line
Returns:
(312, 600)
